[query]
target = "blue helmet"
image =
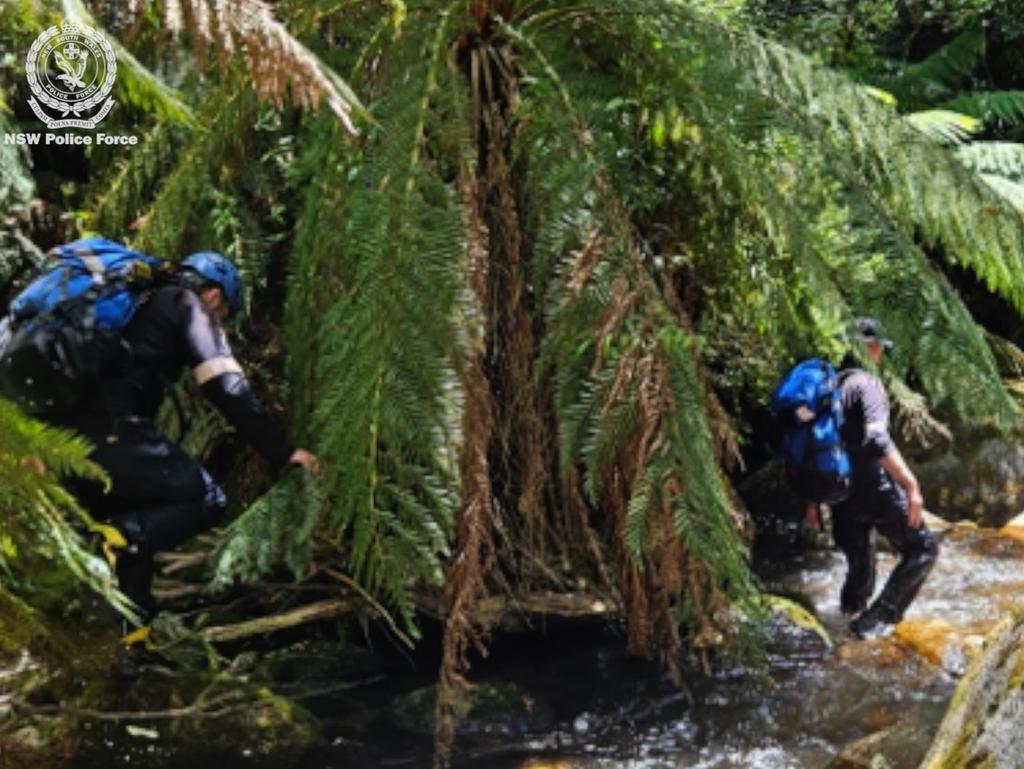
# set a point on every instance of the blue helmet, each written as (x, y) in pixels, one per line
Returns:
(218, 269)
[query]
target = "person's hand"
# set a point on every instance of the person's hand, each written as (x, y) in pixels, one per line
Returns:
(304, 459)
(812, 516)
(915, 508)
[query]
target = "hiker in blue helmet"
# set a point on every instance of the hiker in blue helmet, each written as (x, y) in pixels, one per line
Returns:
(221, 272)
(885, 496)
(159, 496)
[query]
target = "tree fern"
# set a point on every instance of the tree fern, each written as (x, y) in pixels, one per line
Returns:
(135, 84)
(941, 73)
(989, 157)
(944, 126)
(992, 107)
(277, 527)
(39, 513)
(385, 343)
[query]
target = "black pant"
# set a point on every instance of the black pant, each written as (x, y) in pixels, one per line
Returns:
(159, 498)
(879, 503)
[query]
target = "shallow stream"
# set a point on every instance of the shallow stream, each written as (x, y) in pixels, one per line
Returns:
(587, 706)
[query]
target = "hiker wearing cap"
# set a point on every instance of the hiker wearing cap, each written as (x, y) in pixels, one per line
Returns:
(884, 498)
(159, 496)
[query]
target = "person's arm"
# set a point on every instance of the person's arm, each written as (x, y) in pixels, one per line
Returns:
(895, 465)
(224, 384)
(878, 443)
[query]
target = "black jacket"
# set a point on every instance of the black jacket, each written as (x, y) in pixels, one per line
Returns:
(173, 330)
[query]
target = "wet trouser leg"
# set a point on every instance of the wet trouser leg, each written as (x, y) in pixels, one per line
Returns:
(883, 506)
(159, 498)
(918, 549)
(853, 536)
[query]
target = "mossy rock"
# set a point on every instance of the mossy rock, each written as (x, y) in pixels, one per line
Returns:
(899, 747)
(317, 662)
(982, 481)
(982, 727)
(261, 731)
(40, 742)
(489, 708)
(271, 732)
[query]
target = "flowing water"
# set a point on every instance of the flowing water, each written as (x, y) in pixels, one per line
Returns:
(578, 702)
(593, 708)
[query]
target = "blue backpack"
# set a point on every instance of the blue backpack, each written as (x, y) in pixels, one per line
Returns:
(64, 328)
(808, 405)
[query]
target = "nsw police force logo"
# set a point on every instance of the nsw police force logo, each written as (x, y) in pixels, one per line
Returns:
(71, 70)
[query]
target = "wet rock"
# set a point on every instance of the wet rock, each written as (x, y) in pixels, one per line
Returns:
(898, 747)
(242, 727)
(941, 642)
(316, 663)
(935, 523)
(41, 743)
(982, 725)
(270, 733)
(798, 616)
(983, 482)
(490, 708)
(1014, 528)
(877, 653)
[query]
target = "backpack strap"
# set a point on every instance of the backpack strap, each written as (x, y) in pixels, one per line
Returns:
(93, 264)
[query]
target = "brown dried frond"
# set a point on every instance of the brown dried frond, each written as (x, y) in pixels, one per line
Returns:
(280, 67)
(586, 259)
(474, 553)
(1008, 355)
(174, 18)
(619, 308)
(914, 420)
(579, 529)
(521, 445)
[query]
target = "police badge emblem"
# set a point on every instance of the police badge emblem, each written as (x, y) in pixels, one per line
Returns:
(70, 70)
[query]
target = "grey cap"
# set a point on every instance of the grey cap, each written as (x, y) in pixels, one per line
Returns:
(870, 330)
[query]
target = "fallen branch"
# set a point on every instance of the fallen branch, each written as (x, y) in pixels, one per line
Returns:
(380, 610)
(205, 706)
(513, 612)
(263, 625)
(171, 562)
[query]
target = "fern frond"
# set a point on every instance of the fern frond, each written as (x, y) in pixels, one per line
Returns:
(1004, 159)
(279, 65)
(1012, 192)
(39, 512)
(135, 84)
(991, 107)
(384, 342)
(943, 72)
(276, 528)
(128, 189)
(944, 126)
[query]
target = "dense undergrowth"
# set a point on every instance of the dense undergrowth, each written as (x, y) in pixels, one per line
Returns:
(525, 271)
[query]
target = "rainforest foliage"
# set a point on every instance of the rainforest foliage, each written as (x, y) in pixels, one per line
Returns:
(527, 269)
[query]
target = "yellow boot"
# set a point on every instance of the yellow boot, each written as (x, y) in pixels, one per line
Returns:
(139, 636)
